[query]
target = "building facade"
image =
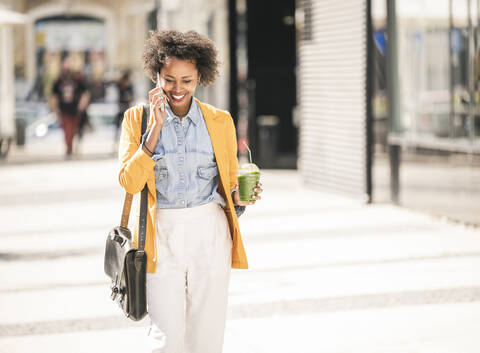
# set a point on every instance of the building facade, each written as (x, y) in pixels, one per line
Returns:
(389, 102)
(104, 36)
(433, 94)
(333, 105)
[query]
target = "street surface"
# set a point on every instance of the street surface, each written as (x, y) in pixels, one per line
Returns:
(328, 274)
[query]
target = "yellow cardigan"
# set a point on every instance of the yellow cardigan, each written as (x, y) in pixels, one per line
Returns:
(136, 169)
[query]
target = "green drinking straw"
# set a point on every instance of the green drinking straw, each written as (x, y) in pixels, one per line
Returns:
(249, 152)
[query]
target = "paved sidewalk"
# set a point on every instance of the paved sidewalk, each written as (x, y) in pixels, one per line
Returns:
(96, 144)
(328, 274)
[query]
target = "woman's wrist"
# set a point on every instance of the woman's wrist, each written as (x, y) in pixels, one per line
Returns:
(150, 142)
(157, 127)
(147, 150)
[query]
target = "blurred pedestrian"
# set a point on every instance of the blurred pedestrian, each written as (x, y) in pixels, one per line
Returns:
(84, 117)
(125, 98)
(69, 100)
(84, 124)
(188, 159)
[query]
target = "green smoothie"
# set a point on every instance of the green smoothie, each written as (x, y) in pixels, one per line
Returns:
(248, 178)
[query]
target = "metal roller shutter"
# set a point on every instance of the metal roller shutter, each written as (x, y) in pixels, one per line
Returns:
(332, 96)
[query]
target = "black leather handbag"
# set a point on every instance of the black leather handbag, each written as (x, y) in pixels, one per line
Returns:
(127, 266)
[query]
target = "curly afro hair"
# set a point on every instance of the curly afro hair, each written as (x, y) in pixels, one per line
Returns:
(190, 45)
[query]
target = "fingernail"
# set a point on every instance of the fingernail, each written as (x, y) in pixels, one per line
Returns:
(162, 107)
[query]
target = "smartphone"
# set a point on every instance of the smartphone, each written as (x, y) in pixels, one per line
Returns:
(162, 105)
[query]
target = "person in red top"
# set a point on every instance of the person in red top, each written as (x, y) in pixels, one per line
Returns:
(69, 100)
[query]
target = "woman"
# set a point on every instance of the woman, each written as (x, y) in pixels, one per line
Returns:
(188, 158)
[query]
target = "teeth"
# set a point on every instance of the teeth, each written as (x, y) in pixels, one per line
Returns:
(178, 97)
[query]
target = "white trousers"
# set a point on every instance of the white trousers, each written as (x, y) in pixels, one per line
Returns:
(187, 296)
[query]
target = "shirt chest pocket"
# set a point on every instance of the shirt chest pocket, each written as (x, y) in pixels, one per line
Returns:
(206, 176)
(207, 173)
(161, 177)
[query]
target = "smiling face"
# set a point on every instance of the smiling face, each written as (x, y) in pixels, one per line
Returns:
(179, 80)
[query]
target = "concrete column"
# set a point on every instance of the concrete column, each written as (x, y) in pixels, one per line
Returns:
(221, 40)
(393, 100)
(7, 89)
(30, 65)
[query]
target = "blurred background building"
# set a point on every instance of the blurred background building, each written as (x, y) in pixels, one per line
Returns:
(374, 99)
(426, 96)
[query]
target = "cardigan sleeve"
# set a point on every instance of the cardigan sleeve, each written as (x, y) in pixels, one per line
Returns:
(135, 164)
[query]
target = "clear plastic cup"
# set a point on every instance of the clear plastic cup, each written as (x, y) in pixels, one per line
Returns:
(248, 178)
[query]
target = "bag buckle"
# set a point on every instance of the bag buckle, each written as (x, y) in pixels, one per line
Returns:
(117, 238)
(116, 290)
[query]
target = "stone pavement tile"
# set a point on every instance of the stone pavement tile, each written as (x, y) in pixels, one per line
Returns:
(119, 341)
(56, 304)
(34, 271)
(318, 283)
(424, 329)
(328, 251)
(99, 142)
(51, 244)
(237, 341)
(36, 220)
(131, 340)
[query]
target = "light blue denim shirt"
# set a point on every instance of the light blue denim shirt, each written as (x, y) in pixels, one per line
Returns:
(186, 173)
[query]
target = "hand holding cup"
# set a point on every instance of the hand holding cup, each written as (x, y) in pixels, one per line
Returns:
(237, 200)
(249, 188)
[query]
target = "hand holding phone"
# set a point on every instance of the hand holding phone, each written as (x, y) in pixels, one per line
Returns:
(157, 100)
